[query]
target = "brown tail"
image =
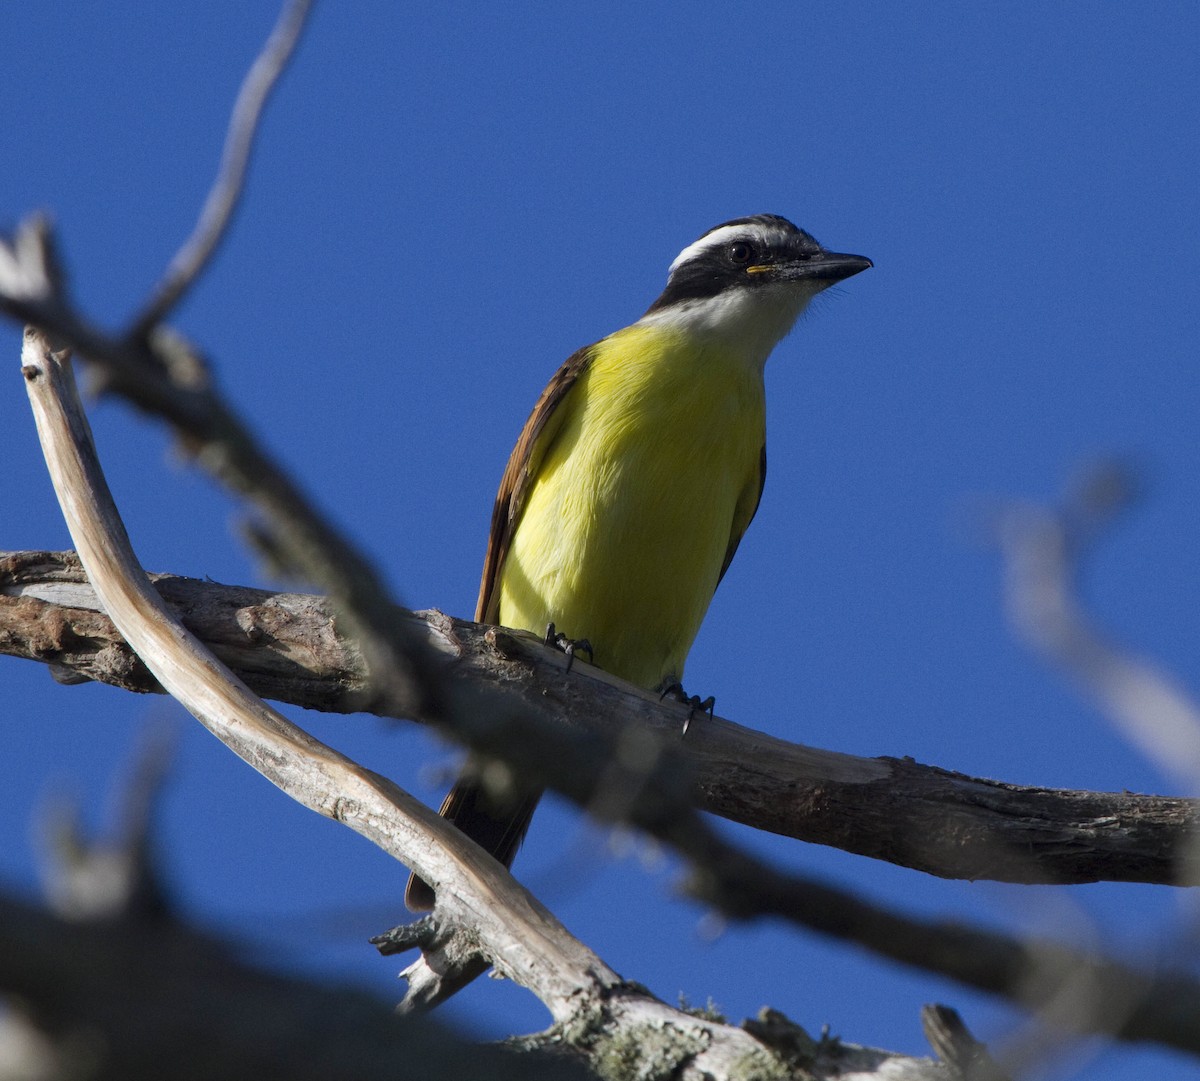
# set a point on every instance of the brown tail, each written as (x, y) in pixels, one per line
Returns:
(495, 823)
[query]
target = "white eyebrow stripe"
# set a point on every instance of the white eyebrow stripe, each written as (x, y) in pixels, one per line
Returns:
(715, 239)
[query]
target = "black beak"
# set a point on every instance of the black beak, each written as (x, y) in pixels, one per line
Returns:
(826, 266)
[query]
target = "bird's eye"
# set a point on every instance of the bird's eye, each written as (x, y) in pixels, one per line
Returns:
(741, 253)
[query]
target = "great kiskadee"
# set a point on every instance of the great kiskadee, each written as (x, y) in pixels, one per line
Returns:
(637, 473)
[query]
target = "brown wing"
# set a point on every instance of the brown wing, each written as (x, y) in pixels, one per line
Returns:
(522, 466)
(499, 823)
(744, 514)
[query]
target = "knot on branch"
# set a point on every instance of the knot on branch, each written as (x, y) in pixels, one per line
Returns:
(450, 959)
(788, 1040)
(422, 934)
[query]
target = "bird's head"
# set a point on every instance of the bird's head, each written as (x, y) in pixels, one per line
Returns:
(749, 279)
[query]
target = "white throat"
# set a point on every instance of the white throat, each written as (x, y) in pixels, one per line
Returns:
(751, 321)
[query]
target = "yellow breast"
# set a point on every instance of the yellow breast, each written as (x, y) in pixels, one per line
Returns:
(654, 468)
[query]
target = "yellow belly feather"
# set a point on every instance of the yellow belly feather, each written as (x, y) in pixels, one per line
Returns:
(625, 528)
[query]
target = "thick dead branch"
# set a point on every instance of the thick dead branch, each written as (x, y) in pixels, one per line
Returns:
(287, 647)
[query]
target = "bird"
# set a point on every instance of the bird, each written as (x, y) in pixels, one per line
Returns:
(636, 476)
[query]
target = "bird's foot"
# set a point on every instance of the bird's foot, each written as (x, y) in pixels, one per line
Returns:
(694, 702)
(569, 646)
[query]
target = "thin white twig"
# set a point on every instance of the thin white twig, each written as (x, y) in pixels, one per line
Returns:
(526, 941)
(226, 190)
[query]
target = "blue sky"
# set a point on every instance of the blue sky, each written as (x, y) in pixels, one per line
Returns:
(444, 205)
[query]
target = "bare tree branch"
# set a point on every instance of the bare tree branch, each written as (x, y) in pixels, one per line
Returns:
(955, 1046)
(1042, 548)
(115, 877)
(1133, 1005)
(508, 926)
(114, 961)
(286, 647)
(1072, 989)
(126, 1001)
(191, 259)
(176, 995)
(163, 375)
(1130, 1004)
(404, 671)
(531, 944)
